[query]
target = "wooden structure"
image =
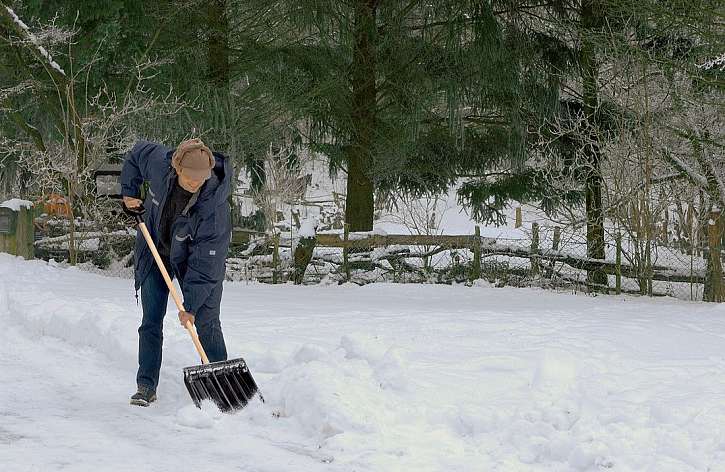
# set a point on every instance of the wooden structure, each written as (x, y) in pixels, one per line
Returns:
(17, 232)
(485, 246)
(107, 179)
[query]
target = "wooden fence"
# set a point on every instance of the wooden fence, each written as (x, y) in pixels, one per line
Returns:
(541, 260)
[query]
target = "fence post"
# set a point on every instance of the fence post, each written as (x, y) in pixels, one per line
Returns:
(554, 248)
(715, 265)
(346, 238)
(275, 258)
(535, 248)
(476, 273)
(302, 257)
(618, 264)
(518, 217)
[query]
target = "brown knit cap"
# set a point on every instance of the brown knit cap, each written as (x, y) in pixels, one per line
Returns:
(194, 159)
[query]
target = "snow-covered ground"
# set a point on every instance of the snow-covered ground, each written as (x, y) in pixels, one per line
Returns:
(375, 378)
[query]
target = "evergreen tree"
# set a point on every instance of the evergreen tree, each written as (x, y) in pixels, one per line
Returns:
(403, 96)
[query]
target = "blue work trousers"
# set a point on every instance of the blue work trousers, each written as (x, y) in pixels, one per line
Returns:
(154, 297)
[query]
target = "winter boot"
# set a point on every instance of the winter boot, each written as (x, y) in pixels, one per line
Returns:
(143, 397)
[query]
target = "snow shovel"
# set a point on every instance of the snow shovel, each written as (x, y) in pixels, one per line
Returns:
(229, 384)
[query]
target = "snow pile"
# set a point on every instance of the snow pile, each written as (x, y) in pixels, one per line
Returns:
(375, 378)
(349, 389)
(15, 204)
(308, 228)
(201, 418)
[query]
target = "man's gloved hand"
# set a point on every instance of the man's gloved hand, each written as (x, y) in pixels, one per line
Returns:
(185, 316)
(133, 206)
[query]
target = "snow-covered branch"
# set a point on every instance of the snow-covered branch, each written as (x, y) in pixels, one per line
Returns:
(687, 170)
(715, 63)
(28, 37)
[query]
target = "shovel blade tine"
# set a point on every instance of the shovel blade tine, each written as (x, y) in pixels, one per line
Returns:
(229, 384)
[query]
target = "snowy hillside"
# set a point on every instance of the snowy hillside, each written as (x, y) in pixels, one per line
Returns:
(375, 378)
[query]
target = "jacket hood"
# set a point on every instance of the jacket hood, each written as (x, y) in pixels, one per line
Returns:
(219, 186)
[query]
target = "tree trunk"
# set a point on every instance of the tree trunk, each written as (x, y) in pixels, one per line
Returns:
(590, 20)
(218, 50)
(72, 247)
(359, 205)
(714, 284)
(713, 289)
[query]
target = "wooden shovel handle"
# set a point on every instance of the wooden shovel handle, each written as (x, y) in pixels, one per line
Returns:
(174, 294)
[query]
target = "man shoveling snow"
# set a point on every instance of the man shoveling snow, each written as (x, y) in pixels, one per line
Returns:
(187, 214)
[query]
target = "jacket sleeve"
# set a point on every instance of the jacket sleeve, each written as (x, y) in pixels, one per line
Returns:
(207, 259)
(139, 166)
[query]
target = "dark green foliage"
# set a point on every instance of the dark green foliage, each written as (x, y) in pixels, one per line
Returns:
(488, 197)
(110, 35)
(457, 88)
(460, 88)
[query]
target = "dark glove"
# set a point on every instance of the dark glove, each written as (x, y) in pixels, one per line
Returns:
(133, 212)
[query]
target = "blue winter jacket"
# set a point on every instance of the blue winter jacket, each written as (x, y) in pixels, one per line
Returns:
(201, 233)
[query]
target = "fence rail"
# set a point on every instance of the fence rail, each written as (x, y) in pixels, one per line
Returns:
(532, 254)
(541, 261)
(487, 246)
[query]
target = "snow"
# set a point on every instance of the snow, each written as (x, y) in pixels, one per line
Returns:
(451, 219)
(360, 235)
(308, 228)
(79, 235)
(15, 204)
(81, 243)
(382, 377)
(87, 244)
(715, 63)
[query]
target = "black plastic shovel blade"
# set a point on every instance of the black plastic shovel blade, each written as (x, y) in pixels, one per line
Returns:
(229, 384)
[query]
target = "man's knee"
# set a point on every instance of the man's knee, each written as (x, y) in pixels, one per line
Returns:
(207, 322)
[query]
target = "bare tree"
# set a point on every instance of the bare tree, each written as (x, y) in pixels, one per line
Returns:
(90, 126)
(282, 186)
